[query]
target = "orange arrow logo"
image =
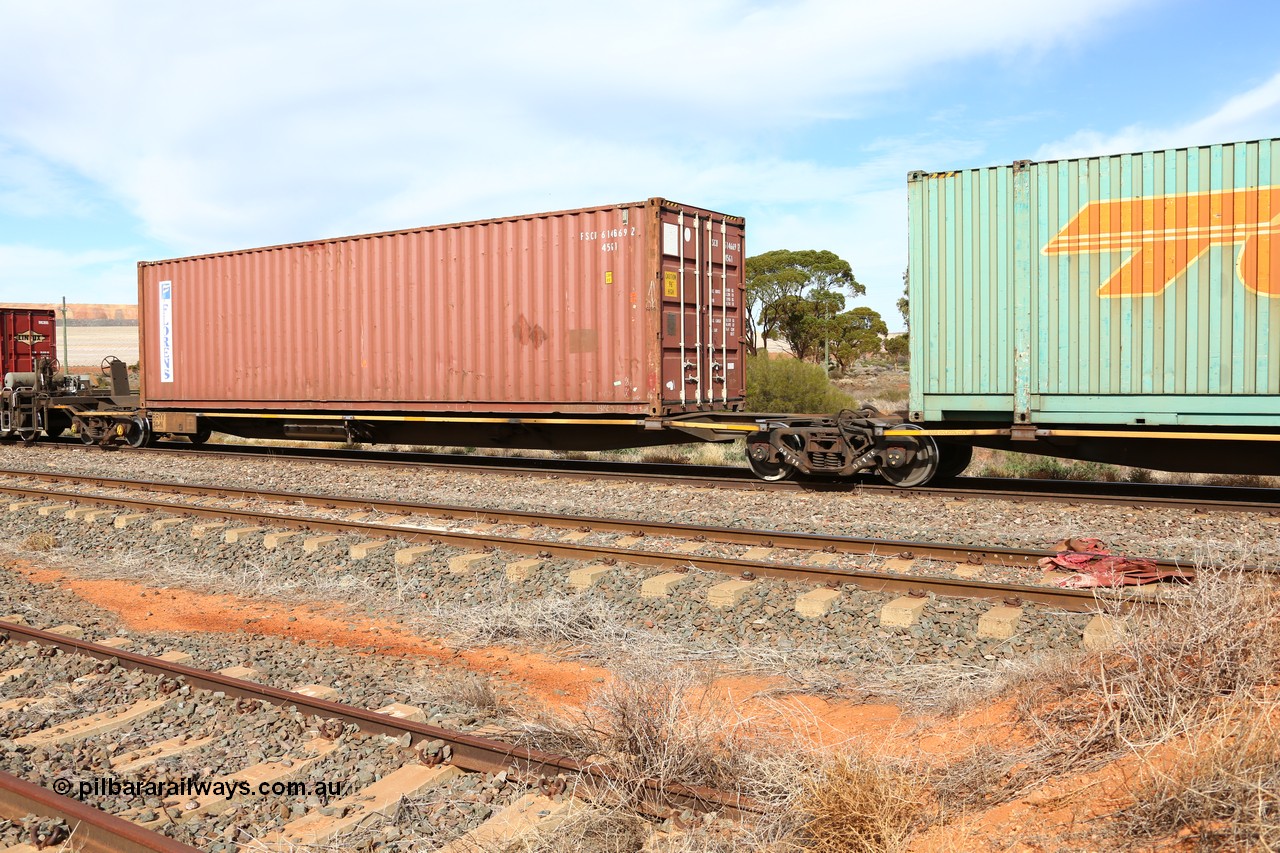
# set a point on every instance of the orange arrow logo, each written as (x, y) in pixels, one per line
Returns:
(1166, 234)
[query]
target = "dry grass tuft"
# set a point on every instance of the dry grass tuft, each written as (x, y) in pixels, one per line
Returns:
(854, 804)
(1189, 690)
(661, 722)
(654, 721)
(593, 830)
(1220, 786)
(1222, 639)
(40, 542)
(565, 622)
(477, 691)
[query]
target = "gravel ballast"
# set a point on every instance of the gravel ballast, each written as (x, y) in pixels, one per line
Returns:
(1201, 538)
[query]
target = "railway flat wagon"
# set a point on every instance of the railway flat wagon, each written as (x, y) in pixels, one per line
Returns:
(581, 328)
(1122, 308)
(34, 389)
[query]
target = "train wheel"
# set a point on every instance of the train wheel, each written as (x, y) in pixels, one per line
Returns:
(954, 459)
(771, 471)
(139, 434)
(200, 437)
(919, 470)
(56, 424)
(758, 451)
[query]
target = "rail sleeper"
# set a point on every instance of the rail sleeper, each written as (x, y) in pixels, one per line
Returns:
(312, 544)
(176, 656)
(254, 775)
(408, 556)
(381, 798)
(729, 593)
(587, 576)
(1102, 632)
(661, 586)
(532, 813)
(96, 724)
(317, 691)
(465, 563)
(999, 623)
(273, 540)
(902, 612)
(520, 570)
(235, 534)
(817, 603)
(401, 711)
(136, 759)
(361, 550)
(198, 531)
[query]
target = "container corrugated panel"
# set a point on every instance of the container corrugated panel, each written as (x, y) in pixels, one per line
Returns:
(566, 312)
(1137, 288)
(26, 337)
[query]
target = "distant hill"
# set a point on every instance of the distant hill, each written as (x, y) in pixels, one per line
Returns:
(86, 313)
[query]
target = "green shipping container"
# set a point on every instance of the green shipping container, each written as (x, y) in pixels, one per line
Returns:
(1137, 289)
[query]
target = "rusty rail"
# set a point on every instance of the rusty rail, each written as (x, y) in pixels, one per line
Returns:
(1067, 599)
(472, 753)
(92, 830)
(1146, 495)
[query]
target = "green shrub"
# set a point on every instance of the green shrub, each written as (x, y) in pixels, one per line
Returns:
(790, 385)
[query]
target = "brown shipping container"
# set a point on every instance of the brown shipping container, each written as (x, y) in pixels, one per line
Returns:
(630, 309)
(26, 336)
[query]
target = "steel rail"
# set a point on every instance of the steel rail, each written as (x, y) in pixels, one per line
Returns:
(1017, 557)
(1067, 599)
(92, 830)
(1137, 495)
(470, 752)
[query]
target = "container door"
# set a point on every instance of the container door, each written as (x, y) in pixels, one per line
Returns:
(701, 310)
(26, 337)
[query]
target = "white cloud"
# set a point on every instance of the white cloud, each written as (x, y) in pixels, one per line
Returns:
(32, 274)
(232, 124)
(237, 124)
(1254, 114)
(31, 187)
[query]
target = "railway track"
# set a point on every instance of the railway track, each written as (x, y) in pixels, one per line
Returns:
(1142, 495)
(880, 565)
(144, 783)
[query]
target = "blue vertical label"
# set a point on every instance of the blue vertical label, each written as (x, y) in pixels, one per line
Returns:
(166, 331)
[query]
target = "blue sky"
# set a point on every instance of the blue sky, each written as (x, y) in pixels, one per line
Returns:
(143, 130)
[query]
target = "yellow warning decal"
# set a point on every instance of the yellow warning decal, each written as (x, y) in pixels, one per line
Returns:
(608, 277)
(671, 285)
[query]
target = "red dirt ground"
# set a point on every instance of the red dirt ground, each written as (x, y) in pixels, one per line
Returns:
(567, 685)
